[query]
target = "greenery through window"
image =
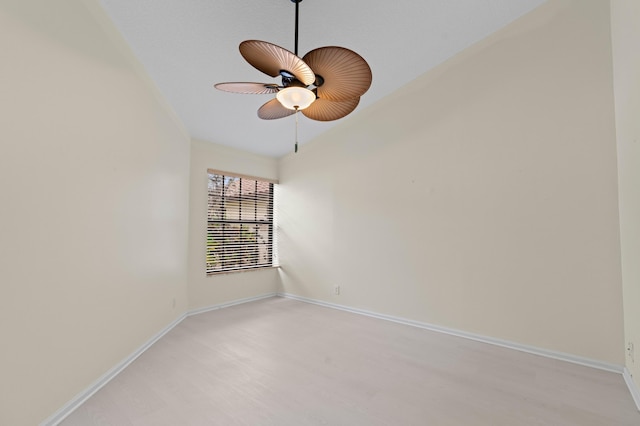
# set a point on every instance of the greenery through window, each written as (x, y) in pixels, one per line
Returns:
(240, 223)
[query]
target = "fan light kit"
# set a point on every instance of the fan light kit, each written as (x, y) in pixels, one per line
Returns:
(295, 98)
(325, 84)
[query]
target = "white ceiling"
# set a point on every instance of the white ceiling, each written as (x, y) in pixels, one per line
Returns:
(187, 46)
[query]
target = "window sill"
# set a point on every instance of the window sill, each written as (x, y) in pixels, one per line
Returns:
(239, 271)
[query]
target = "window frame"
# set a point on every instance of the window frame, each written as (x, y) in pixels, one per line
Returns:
(235, 229)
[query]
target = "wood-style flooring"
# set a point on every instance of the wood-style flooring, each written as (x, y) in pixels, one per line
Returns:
(283, 362)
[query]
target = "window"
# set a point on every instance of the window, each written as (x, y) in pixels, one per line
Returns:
(240, 223)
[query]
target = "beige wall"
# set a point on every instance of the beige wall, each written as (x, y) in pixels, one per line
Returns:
(625, 19)
(94, 187)
(481, 197)
(205, 291)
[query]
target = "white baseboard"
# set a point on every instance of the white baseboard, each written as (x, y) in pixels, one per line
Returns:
(231, 303)
(600, 365)
(633, 388)
(79, 399)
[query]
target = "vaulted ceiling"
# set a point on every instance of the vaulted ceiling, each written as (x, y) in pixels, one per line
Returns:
(186, 46)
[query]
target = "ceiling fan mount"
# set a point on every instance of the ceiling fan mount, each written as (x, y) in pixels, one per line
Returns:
(325, 84)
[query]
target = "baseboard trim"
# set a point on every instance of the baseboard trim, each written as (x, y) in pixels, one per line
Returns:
(600, 365)
(80, 398)
(231, 303)
(633, 388)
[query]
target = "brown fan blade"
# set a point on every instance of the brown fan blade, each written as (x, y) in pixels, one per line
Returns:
(248, 88)
(271, 59)
(324, 110)
(274, 109)
(344, 74)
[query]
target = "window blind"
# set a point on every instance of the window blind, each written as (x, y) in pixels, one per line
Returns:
(240, 222)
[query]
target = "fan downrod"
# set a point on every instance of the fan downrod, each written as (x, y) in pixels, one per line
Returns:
(297, 2)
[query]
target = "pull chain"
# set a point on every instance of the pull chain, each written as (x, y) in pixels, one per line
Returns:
(296, 148)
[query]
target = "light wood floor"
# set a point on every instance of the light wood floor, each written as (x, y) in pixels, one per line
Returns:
(283, 362)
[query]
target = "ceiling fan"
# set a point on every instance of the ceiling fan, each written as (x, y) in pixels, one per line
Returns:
(325, 84)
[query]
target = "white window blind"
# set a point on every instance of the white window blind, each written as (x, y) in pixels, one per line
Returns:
(240, 223)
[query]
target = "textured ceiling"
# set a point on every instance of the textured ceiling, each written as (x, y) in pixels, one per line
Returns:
(187, 46)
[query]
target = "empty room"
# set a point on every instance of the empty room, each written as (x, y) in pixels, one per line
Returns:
(320, 212)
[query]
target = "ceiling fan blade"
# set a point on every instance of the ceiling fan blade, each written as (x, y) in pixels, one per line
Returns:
(271, 59)
(248, 88)
(346, 74)
(273, 110)
(324, 110)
